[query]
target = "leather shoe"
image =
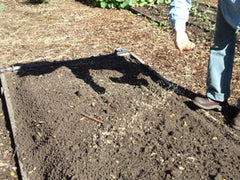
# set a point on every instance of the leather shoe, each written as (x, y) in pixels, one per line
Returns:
(236, 122)
(206, 103)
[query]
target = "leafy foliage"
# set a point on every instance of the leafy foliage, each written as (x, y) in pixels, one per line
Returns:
(164, 1)
(125, 4)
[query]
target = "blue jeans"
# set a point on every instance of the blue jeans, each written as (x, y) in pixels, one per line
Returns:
(221, 60)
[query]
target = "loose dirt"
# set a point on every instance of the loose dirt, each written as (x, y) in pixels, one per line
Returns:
(149, 132)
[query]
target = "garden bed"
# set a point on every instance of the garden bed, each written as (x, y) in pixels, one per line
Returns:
(112, 117)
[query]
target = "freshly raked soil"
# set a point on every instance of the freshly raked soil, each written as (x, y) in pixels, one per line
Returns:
(154, 134)
(142, 131)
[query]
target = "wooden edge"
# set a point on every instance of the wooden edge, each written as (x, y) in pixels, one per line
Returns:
(10, 112)
(168, 83)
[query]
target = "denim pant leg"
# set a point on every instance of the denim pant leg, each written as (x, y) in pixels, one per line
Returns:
(221, 60)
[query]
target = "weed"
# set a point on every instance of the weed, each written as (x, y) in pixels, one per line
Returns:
(164, 1)
(2, 7)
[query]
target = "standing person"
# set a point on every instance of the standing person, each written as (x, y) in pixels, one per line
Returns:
(222, 53)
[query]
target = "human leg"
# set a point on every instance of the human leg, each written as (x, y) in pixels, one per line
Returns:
(221, 60)
(220, 66)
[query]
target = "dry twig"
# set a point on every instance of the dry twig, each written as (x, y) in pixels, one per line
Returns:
(92, 118)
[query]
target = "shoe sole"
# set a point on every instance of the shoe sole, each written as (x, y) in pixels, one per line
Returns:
(217, 107)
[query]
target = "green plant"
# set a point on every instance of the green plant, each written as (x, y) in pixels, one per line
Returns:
(120, 4)
(164, 1)
(194, 10)
(2, 7)
(125, 4)
(165, 25)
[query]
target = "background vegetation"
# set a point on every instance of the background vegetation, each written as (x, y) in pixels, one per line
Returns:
(125, 4)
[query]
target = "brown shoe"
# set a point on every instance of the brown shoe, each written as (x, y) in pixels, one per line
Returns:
(206, 103)
(236, 122)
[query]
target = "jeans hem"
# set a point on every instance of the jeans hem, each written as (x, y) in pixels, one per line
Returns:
(217, 96)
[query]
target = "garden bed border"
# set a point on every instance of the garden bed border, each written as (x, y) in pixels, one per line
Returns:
(10, 111)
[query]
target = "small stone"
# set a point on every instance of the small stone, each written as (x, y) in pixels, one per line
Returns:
(218, 177)
(176, 173)
(78, 93)
(181, 168)
(113, 176)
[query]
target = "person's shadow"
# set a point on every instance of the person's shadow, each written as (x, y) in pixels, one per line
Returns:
(129, 69)
(81, 69)
(127, 66)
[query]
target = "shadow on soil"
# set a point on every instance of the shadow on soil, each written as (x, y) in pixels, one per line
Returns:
(129, 69)
(8, 127)
(228, 111)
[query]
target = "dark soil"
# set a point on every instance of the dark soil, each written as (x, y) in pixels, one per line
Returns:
(149, 131)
